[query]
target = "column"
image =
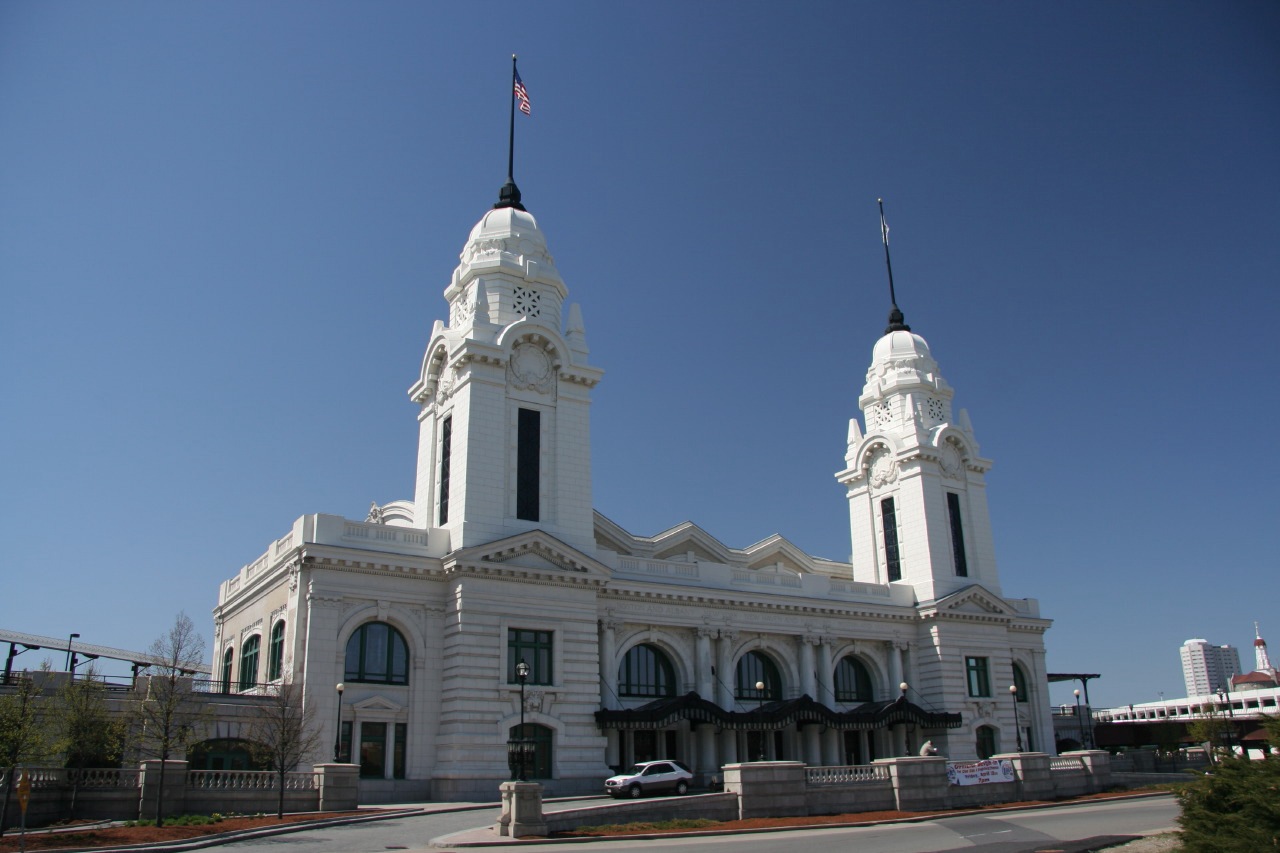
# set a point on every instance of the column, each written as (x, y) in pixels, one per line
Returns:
(704, 679)
(724, 669)
(808, 678)
(826, 672)
(608, 671)
(895, 670)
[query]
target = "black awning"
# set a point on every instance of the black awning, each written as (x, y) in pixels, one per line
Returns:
(661, 713)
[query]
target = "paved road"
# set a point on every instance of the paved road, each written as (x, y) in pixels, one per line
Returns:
(1056, 828)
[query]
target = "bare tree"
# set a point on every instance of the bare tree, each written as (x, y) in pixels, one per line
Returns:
(22, 736)
(168, 715)
(88, 734)
(284, 734)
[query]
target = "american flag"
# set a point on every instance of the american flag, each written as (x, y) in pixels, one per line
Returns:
(522, 94)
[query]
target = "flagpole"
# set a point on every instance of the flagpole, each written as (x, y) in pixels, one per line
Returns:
(897, 322)
(509, 195)
(511, 141)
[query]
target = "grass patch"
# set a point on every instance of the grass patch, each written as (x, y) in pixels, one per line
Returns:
(646, 826)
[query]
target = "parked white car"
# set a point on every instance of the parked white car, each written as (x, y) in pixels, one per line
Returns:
(650, 777)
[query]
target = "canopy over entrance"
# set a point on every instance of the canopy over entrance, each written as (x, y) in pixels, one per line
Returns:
(661, 713)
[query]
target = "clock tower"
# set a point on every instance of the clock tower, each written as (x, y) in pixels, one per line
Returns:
(505, 392)
(915, 480)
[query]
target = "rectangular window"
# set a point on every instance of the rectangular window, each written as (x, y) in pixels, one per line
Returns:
(397, 760)
(446, 449)
(979, 676)
(373, 750)
(957, 535)
(532, 647)
(889, 518)
(528, 463)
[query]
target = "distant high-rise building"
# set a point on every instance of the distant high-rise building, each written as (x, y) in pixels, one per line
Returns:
(1207, 668)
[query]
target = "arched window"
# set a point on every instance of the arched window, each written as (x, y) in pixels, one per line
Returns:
(754, 667)
(376, 652)
(249, 662)
(540, 765)
(228, 660)
(1020, 682)
(275, 655)
(853, 681)
(646, 671)
(986, 741)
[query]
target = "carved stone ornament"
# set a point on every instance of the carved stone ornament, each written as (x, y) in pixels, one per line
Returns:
(533, 700)
(883, 468)
(375, 514)
(486, 248)
(950, 460)
(531, 367)
(444, 388)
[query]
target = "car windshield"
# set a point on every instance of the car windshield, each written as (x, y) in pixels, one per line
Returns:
(637, 770)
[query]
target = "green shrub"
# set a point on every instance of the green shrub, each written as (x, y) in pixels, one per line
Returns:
(647, 826)
(1233, 809)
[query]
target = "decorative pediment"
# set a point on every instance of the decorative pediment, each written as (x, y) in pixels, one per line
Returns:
(377, 704)
(535, 551)
(972, 601)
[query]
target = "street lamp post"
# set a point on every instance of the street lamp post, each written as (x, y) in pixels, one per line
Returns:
(1080, 719)
(337, 735)
(71, 656)
(760, 715)
(1225, 698)
(1017, 727)
(906, 740)
(522, 675)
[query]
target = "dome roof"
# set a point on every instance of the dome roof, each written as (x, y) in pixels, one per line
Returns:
(508, 222)
(896, 346)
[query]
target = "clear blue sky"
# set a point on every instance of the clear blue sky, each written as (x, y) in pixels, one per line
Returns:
(225, 229)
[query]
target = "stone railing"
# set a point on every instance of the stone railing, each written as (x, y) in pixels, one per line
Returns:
(368, 531)
(249, 780)
(845, 775)
(1066, 763)
(105, 777)
(859, 588)
(659, 568)
(757, 578)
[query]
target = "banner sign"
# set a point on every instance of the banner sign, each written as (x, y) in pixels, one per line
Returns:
(979, 772)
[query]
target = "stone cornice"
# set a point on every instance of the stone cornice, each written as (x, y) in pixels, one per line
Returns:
(722, 600)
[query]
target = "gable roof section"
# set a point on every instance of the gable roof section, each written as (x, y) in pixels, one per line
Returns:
(535, 552)
(973, 603)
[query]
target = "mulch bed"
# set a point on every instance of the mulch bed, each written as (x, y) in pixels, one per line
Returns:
(118, 836)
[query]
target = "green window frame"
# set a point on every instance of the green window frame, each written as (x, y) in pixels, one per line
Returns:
(532, 647)
(978, 672)
(228, 661)
(853, 681)
(373, 750)
(754, 667)
(378, 654)
(1020, 682)
(275, 654)
(892, 554)
(646, 671)
(249, 663)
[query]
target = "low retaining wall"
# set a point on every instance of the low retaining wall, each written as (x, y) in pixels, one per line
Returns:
(59, 794)
(708, 806)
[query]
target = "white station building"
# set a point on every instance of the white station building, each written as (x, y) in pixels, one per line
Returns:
(672, 645)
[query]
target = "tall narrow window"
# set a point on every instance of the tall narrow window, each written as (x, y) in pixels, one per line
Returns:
(373, 750)
(532, 647)
(397, 758)
(528, 463)
(446, 448)
(853, 681)
(227, 660)
(753, 668)
(249, 663)
(889, 516)
(957, 535)
(275, 655)
(979, 676)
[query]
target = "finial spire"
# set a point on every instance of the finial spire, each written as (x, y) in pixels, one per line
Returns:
(897, 322)
(509, 195)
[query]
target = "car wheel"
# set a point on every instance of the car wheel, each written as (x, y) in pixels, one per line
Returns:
(634, 792)
(682, 788)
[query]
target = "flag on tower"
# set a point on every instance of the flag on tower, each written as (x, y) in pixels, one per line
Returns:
(522, 94)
